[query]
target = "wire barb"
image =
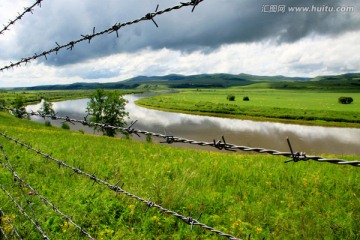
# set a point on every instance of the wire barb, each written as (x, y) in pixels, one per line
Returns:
(121, 190)
(217, 144)
(115, 28)
(19, 17)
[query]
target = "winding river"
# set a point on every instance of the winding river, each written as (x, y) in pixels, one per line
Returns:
(270, 135)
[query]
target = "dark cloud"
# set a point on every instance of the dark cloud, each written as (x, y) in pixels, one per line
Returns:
(214, 23)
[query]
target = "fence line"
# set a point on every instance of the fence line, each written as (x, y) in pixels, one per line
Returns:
(45, 200)
(27, 10)
(37, 226)
(115, 28)
(10, 224)
(220, 144)
(3, 233)
(189, 220)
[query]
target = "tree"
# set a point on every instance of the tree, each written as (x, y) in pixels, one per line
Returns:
(19, 105)
(230, 97)
(109, 108)
(46, 108)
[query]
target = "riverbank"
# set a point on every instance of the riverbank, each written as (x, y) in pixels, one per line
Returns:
(253, 194)
(295, 107)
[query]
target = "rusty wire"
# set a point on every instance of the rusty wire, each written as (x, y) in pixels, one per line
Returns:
(219, 144)
(45, 200)
(19, 17)
(189, 220)
(13, 229)
(115, 28)
(37, 226)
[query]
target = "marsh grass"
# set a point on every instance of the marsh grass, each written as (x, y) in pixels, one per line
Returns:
(238, 194)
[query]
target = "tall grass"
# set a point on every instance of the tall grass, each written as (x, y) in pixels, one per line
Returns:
(238, 194)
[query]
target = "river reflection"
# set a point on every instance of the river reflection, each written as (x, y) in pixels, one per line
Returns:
(309, 139)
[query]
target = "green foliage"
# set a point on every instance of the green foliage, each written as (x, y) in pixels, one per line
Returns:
(230, 97)
(109, 108)
(19, 105)
(345, 100)
(65, 126)
(149, 138)
(239, 194)
(47, 108)
(47, 123)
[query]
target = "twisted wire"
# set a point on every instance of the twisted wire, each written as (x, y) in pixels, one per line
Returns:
(10, 224)
(26, 10)
(220, 144)
(115, 28)
(117, 189)
(10, 168)
(3, 233)
(45, 200)
(37, 226)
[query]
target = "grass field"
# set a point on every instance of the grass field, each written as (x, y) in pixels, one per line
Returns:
(30, 97)
(300, 106)
(238, 194)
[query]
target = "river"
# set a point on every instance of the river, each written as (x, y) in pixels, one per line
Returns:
(269, 135)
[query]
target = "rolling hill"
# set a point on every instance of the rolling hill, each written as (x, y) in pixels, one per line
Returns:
(350, 82)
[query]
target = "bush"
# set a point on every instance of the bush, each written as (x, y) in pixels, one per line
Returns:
(48, 123)
(345, 100)
(231, 97)
(246, 98)
(65, 126)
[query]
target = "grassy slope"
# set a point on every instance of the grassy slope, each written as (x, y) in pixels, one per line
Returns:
(238, 194)
(297, 105)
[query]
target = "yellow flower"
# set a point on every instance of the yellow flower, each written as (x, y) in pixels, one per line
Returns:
(258, 230)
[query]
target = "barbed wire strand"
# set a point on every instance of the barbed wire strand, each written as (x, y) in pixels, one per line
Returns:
(115, 28)
(220, 144)
(19, 17)
(189, 220)
(13, 229)
(3, 233)
(34, 191)
(29, 203)
(24, 213)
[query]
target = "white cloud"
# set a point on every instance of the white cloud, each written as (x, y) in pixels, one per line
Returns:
(311, 57)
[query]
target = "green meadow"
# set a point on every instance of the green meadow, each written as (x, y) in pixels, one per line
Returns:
(295, 106)
(252, 194)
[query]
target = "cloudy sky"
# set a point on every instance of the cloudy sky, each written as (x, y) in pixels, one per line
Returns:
(260, 37)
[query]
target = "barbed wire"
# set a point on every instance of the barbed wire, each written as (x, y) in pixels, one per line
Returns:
(13, 229)
(37, 226)
(218, 144)
(35, 192)
(115, 28)
(189, 220)
(19, 17)
(3, 233)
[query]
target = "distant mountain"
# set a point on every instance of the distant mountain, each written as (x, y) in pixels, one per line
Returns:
(221, 80)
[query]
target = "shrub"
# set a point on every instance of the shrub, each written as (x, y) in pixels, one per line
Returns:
(65, 126)
(231, 97)
(345, 100)
(246, 98)
(48, 123)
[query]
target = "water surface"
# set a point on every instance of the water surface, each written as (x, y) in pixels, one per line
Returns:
(270, 135)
